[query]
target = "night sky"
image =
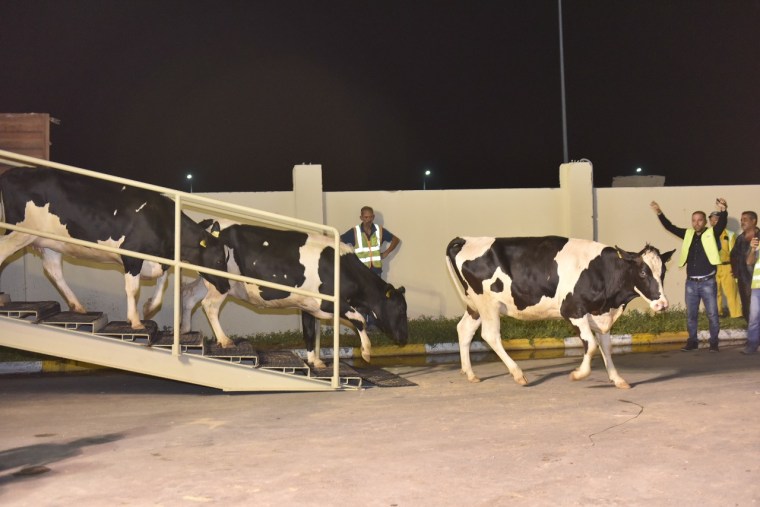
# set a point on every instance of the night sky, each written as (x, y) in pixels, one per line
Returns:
(237, 92)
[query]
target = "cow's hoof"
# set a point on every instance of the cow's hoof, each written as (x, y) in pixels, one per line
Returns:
(521, 380)
(576, 375)
(138, 326)
(473, 379)
(226, 344)
(366, 356)
(622, 384)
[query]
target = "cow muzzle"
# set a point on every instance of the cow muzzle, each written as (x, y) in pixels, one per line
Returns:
(659, 305)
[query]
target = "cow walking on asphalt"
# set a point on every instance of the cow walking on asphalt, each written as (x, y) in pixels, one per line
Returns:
(110, 214)
(305, 261)
(531, 278)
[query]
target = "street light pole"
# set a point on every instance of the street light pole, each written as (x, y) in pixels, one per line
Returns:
(190, 179)
(562, 83)
(424, 179)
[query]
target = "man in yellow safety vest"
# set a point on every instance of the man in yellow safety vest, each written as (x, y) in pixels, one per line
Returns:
(753, 326)
(367, 239)
(701, 255)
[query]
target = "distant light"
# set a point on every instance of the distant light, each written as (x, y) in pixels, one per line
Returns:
(427, 173)
(189, 176)
(638, 169)
(424, 179)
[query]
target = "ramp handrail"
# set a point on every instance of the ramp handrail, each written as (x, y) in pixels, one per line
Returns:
(199, 204)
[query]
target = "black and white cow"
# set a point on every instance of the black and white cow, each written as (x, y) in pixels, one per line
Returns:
(110, 214)
(584, 282)
(305, 261)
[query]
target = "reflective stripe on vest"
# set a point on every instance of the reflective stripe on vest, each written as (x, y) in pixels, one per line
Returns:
(368, 249)
(711, 247)
(756, 274)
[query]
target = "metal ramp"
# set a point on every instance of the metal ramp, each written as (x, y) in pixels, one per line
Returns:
(42, 328)
(45, 329)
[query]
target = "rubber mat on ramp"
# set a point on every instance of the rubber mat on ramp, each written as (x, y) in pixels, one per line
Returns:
(376, 376)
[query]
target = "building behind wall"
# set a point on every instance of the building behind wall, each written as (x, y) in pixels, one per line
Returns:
(25, 133)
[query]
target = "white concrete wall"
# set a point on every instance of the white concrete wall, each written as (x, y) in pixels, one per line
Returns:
(425, 221)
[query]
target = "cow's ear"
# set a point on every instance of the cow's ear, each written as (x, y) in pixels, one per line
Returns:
(666, 256)
(626, 256)
(205, 223)
(215, 229)
(390, 290)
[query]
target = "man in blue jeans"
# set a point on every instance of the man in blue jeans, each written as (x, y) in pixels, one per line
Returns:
(700, 252)
(753, 327)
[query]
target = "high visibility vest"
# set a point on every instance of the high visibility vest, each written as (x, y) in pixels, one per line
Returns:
(756, 273)
(708, 242)
(368, 249)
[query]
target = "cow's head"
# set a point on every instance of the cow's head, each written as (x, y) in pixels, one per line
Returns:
(647, 273)
(204, 248)
(393, 320)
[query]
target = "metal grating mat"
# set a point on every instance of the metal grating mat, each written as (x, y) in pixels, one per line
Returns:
(123, 330)
(383, 378)
(376, 376)
(191, 342)
(242, 348)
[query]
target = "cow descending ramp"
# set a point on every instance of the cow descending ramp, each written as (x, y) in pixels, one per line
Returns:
(77, 337)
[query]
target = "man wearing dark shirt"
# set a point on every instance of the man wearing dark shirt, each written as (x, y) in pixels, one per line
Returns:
(741, 271)
(700, 254)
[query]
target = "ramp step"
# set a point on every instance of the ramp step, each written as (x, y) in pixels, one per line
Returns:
(191, 342)
(348, 376)
(34, 311)
(285, 361)
(122, 330)
(90, 322)
(241, 353)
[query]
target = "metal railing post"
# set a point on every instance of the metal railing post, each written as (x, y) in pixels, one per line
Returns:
(336, 314)
(177, 274)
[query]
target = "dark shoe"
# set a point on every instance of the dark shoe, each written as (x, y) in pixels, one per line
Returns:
(714, 348)
(689, 347)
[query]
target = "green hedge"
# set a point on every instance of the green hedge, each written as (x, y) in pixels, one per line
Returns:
(442, 330)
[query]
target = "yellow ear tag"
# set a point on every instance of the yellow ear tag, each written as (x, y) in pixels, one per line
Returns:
(215, 234)
(203, 243)
(388, 295)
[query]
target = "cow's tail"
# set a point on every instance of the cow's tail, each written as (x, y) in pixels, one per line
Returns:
(455, 245)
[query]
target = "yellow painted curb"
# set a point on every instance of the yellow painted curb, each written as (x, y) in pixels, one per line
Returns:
(645, 338)
(411, 349)
(535, 343)
(66, 366)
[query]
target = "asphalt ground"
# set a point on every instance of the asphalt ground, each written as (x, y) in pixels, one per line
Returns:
(687, 433)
